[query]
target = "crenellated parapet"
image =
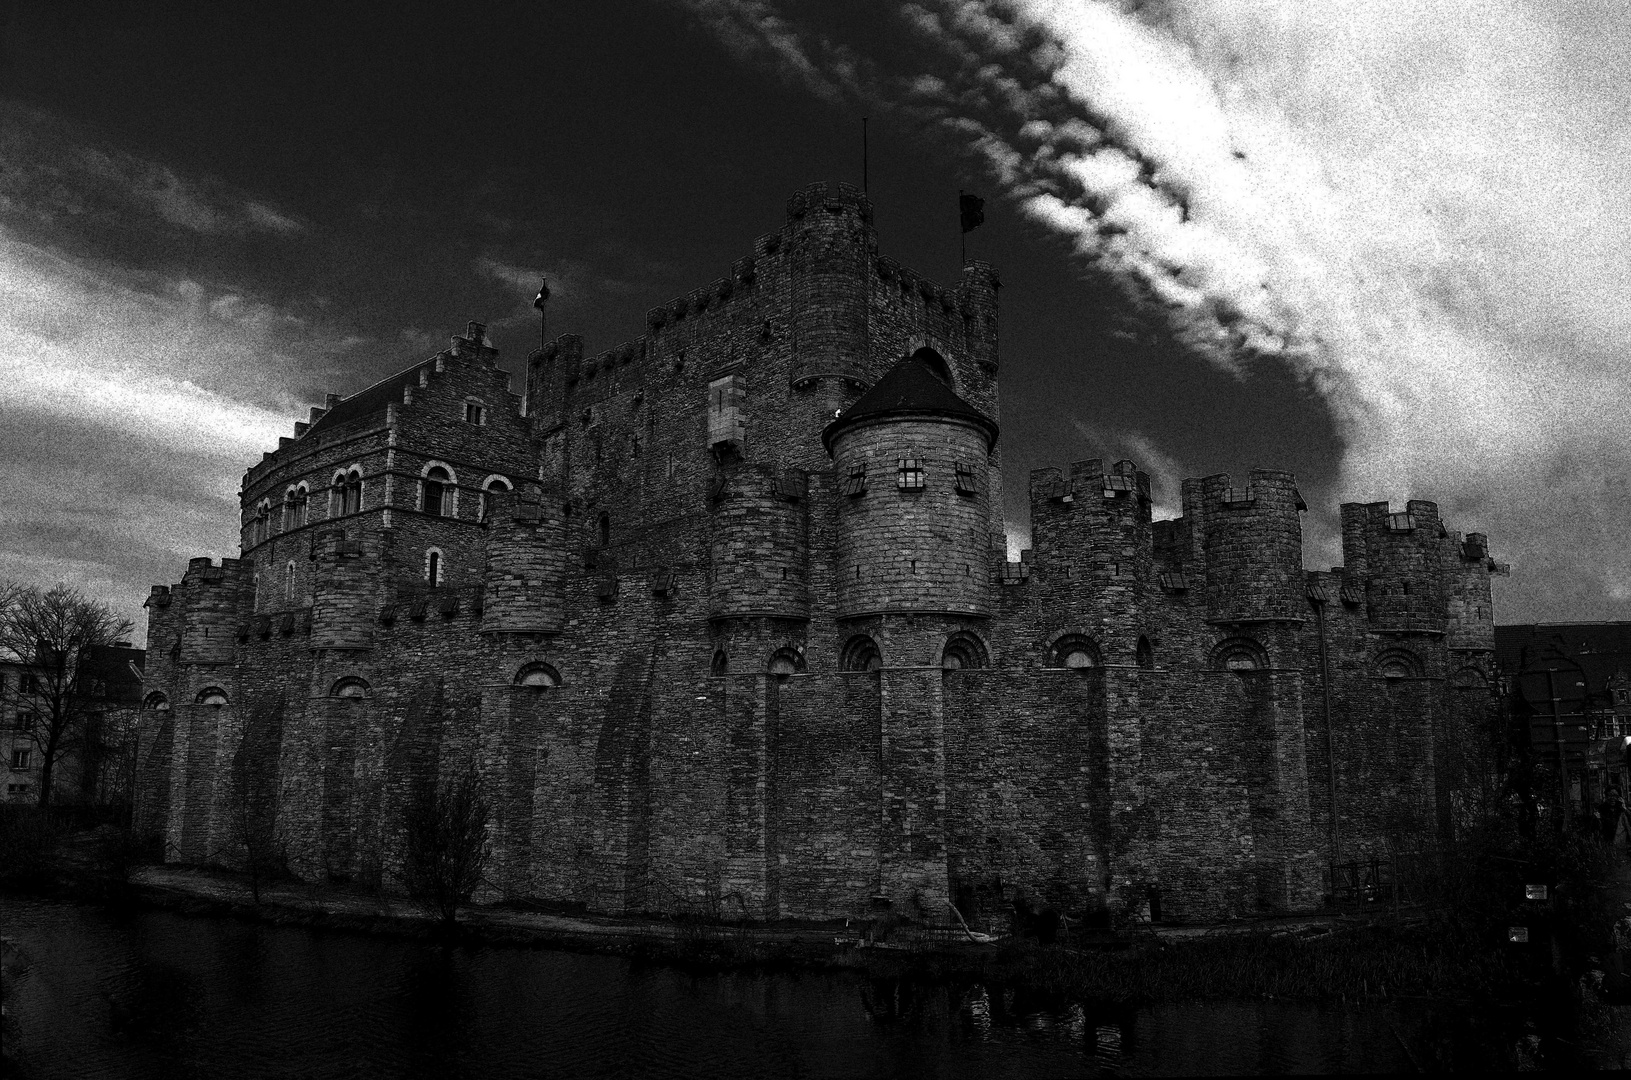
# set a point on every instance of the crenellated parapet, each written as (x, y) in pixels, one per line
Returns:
(1398, 558)
(1245, 545)
(207, 601)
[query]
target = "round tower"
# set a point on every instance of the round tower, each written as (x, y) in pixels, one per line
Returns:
(829, 231)
(210, 614)
(524, 581)
(1252, 546)
(911, 463)
(1397, 558)
(760, 548)
(344, 599)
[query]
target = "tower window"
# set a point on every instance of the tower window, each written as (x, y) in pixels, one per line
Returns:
(437, 495)
(861, 653)
(963, 650)
(965, 479)
(603, 529)
(856, 483)
(475, 413)
(909, 474)
(1145, 656)
(212, 695)
(433, 567)
(720, 663)
(1076, 651)
(288, 582)
(353, 491)
(350, 687)
(785, 662)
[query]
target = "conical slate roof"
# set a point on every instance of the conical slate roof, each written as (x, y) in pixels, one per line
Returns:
(909, 389)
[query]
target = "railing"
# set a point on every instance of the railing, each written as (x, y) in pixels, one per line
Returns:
(1390, 879)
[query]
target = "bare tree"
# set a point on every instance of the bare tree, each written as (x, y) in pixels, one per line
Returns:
(446, 843)
(50, 635)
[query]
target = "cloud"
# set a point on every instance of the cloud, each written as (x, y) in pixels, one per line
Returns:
(119, 462)
(54, 169)
(1421, 210)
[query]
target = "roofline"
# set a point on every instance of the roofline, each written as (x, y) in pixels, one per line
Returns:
(979, 420)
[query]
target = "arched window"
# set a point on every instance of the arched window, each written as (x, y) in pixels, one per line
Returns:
(537, 675)
(301, 497)
(860, 654)
(433, 566)
(263, 522)
(1397, 664)
(936, 364)
(1239, 654)
(785, 662)
(490, 485)
(288, 511)
(156, 702)
(963, 650)
(336, 495)
(720, 663)
(436, 492)
(353, 491)
(1470, 678)
(349, 687)
(288, 581)
(212, 695)
(603, 529)
(1145, 656)
(1075, 651)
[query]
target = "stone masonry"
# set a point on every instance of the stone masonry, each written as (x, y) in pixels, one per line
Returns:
(724, 618)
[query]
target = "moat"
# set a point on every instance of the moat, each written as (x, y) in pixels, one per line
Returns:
(153, 993)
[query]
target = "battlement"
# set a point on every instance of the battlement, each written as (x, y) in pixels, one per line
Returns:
(1123, 484)
(206, 571)
(833, 198)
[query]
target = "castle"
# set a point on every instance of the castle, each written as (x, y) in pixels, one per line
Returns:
(724, 616)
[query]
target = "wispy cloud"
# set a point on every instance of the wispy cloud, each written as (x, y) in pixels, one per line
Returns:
(1423, 211)
(51, 169)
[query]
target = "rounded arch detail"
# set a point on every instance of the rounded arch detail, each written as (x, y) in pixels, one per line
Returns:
(212, 695)
(963, 650)
(537, 675)
(1239, 654)
(1397, 663)
(1074, 648)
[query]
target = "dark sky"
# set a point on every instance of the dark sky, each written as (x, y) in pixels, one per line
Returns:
(251, 205)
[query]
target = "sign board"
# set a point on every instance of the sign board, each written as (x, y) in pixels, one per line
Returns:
(1553, 678)
(1517, 935)
(1534, 892)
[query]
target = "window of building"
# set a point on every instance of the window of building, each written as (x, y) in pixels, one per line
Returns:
(962, 651)
(28, 683)
(21, 759)
(435, 492)
(1239, 654)
(603, 529)
(1145, 655)
(156, 701)
(720, 663)
(212, 695)
(784, 663)
(855, 484)
(936, 364)
(538, 675)
(353, 492)
(24, 721)
(1397, 664)
(475, 412)
(860, 653)
(349, 687)
(965, 479)
(288, 582)
(1076, 651)
(287, 521)
(301, 498)
(433, 567)
(909, 474)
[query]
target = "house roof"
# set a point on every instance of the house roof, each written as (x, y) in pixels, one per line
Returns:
(368, 402)
(909, 389)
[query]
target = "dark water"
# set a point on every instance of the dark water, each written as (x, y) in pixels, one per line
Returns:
(155, 994)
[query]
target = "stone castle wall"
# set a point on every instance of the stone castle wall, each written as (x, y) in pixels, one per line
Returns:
(649, 635)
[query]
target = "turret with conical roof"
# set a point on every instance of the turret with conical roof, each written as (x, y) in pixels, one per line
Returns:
(911, 460)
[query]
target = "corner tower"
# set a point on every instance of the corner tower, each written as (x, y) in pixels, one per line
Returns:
(911, 461)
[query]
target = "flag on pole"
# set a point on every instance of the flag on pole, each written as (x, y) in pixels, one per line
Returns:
(543, 295)
(972, 208)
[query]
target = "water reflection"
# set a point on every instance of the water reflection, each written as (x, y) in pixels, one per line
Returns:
(159, 994)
